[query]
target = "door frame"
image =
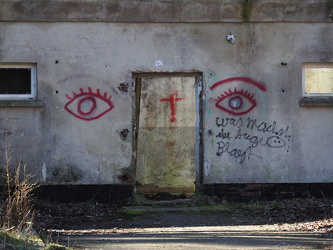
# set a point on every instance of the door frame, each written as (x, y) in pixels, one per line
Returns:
(136, 91)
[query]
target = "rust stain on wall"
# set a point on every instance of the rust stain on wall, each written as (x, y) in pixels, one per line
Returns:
(170, 144)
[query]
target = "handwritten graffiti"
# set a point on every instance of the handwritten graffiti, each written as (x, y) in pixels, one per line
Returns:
(172, 99)
(224, 147)
(239, 138)
(89, 105)
(237, 102)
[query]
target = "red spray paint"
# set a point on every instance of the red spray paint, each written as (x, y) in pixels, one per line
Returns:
(172, 99)
(85, 104)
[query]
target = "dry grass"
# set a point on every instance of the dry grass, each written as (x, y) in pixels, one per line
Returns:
(17, 210)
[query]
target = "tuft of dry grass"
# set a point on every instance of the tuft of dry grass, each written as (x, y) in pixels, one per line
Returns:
(17, 210)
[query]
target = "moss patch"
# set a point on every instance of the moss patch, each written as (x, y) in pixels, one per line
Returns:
(9, 241)
(246, 12)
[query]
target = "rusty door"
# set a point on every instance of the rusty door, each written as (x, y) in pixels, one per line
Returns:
(166, 139)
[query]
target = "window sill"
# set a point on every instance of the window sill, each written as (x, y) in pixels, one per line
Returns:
(21, 103)
(316, 102)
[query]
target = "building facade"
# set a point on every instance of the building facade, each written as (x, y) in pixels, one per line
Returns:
(168, 96)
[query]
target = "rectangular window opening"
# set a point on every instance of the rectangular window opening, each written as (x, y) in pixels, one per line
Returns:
(18, 81)
(318, 79)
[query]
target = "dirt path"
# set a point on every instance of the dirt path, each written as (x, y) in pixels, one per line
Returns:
(182, 226)
(208, 237)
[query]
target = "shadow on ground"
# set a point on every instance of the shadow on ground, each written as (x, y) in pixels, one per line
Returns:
(290, 224)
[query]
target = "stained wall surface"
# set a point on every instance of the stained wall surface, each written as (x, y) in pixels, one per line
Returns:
(167, 133)
(253, 128)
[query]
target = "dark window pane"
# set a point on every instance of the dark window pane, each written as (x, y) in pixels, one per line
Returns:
(15, 81)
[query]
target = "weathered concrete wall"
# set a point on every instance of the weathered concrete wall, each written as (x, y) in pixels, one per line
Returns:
(68, 148)
(167, 11)
(267, 138)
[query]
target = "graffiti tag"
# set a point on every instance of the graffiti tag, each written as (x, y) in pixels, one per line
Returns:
(172, 99)
(237, 101)
(89, 105)
(240, 137)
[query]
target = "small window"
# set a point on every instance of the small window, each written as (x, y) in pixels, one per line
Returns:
(17, 81)
(318, 79)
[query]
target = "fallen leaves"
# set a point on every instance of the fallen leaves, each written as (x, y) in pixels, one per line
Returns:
(306, 214)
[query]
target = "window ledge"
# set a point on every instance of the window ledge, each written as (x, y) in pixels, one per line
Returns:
(21, 103)
(316, 102)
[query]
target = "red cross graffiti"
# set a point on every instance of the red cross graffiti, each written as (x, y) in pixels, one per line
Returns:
(172, 99)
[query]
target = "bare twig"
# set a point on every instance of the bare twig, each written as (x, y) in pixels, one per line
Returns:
(17, 210)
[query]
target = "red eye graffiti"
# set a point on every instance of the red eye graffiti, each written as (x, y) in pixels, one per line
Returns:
(88, 105)
(237, 102)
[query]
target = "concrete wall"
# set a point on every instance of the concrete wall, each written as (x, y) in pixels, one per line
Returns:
(93, 47)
